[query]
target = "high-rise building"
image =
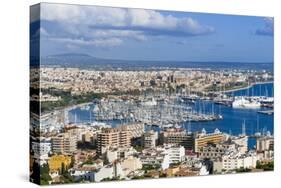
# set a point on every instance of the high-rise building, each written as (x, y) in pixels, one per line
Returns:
(149, 139)
(203, 139)
(113, 137)
(177, 137)
(64, 143)
(136, 129)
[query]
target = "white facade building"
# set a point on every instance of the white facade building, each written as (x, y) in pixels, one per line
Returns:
(149, 139)
(234, 161)
(241, 142)
(163, 155)
(113, 154)
(176, 153)
(109, 171)
(265, 144)
(41, 150)
(131, 164)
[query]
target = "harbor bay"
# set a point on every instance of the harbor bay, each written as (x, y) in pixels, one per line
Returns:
(231, 122)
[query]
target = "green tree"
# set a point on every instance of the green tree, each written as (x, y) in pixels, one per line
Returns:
(44, 174)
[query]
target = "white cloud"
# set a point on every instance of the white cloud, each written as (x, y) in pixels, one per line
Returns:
(268, 29)
(137, 35)
(123, 19)
(107, 27)
(82, 42)
(77, 14)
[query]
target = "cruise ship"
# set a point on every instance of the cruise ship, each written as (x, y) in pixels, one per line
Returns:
(242, 102)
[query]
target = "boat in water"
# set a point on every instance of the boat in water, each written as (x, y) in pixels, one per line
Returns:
(242, 102)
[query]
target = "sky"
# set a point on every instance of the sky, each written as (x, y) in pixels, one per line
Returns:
(119, 33)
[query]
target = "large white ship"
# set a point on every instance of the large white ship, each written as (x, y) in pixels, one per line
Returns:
(242, 102)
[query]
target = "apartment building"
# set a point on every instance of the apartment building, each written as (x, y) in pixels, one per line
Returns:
(64, 143)
(203, 139)
(177, 137)
(112, 137)
(136, 129)
(149, 139)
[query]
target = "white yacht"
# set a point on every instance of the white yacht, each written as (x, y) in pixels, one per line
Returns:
(242, 102)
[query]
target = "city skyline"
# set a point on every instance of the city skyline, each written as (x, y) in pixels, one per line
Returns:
(141, 34)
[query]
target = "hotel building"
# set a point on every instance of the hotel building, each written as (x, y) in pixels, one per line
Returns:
(204, 139)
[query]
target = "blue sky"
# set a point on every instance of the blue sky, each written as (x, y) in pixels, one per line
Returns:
(154, 35)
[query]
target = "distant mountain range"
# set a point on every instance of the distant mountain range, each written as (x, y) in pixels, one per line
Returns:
(85, 60)
(69, 59)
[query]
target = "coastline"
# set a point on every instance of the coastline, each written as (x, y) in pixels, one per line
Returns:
(68, 108)
(248, 86)
(77, 105)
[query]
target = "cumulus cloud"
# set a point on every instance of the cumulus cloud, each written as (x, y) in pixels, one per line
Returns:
(95, 23)
(268, 29)
(123, 19)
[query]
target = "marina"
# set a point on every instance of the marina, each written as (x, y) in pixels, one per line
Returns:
(207, 114)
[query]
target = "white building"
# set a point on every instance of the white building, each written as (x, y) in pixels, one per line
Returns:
(114, 153)
(109, 171)
(265, 144)
(97, 175)
(149, 139)
(131, 164)
(241, 142)
(163, 155)
(41, 149)
(265, 155)
(176, 153)
(232, 161)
